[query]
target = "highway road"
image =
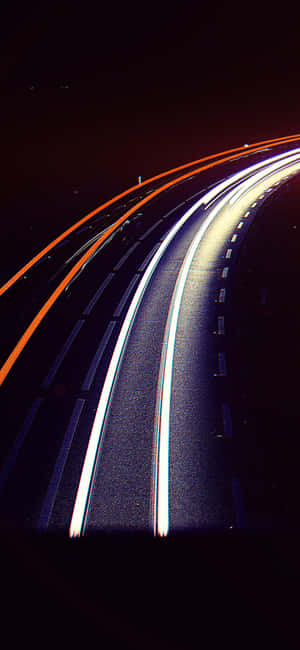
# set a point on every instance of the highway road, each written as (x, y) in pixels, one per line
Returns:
(117, 413)
(157, 398)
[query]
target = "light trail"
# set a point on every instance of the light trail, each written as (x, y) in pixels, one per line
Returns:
(163, 403)
(249, 182)
(80, 510)
(254, 147)
(19, 347)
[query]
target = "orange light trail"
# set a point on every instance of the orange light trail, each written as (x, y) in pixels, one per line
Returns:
(9, 363)
(36, 258)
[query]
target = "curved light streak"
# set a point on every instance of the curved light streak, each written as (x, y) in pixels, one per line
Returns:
(162, 432)
(80, 509)
(254, 147)
(246, 184)
(24, 339)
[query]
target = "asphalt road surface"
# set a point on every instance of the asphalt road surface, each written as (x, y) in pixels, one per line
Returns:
(231, 434)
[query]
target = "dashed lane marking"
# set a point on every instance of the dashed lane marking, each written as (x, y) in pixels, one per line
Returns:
(225, 272)
(148, 258)
(221, 325)
(125, 257)
(150, 230)
(222, 295)
(59, 359)
(60, 465)
(227, 421)
(97, 357)
(97, 295)
(222, 364)
(136, 278)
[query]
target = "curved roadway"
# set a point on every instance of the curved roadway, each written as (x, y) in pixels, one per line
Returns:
(157, 453)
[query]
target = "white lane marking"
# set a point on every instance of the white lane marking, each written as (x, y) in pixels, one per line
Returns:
(227, 421)
(148, 258)
(234, 238)
(222, 364)
(89, 378)
(126, 295)
(85, 484)
(254, 204)
(150, 230)
(60, 465)
(97, 295)
(222, 295)
(228, 253)
(125, 256)
(221, 325)
(225, 272)
(240, 225)
(60, 357)
(247, 214)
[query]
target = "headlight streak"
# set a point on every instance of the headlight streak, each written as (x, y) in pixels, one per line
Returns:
(249, 182)
(162, 426)
(211, 195)
(80, 510)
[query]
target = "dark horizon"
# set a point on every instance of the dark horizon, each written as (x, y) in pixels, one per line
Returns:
(93, 97)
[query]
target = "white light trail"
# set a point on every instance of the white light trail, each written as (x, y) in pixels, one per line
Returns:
(254, 179)
(209, 196)
(162, 433)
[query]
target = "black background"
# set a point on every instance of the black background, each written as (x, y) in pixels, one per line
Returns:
(95, 94)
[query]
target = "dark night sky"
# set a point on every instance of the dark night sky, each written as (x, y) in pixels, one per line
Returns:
(150, 86)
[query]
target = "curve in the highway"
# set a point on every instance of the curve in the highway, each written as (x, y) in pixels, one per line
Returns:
(115, 507)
